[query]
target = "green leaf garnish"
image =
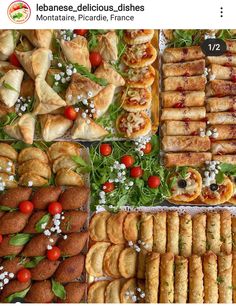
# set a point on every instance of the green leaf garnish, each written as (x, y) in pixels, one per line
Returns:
(58, 289)
(20, 239)
(93, 38)
(85, 72)
(8, 86)
(20, 294)
(34, 262)
(186, 38)
(83, 167)
(6, 208)
(44, 220)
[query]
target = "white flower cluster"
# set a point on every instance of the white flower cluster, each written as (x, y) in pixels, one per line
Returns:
(9, 167)
(4, 277)
(22, 104)
(210, 133)
(64, 77)
(209, 35)
(211, 170)
(30, 183)
(102, 197)
(120, 173)
(3, 184)
(135, 297)
(140, 144)
(128, 185)
(67, 34)
(136, 246)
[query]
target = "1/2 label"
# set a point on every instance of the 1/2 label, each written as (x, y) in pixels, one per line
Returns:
(213, 47)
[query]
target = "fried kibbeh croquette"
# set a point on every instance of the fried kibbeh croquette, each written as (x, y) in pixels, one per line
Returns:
(44, 269)
(38, 245)
(74, 292)
(73, 245)
(13, 197)
(40, 292)
(7, 249)
(30, 227)
(73, 221)
(13, 222)
(13, 287)
(13, 265)
(45, 195)
(74, 197)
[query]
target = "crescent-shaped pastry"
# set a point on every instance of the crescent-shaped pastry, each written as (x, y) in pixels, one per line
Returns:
(94, 258)
(96, 292)
(65, 161)
(107, 46)
(35, 166)
(115, 227)
(87, 129)
(232, 200)
(46, 100)
(54, 126)
(10, 85)
(188, 188)
(98, 226)
(35, 62)
(67, 177)
(60, 148)
(112, 294)
(22, 129)
(140, 77)
(106, 71)
(129, 286)
(8, 180)
(76, 51)
(128, 260)
(136, 99)
(7, 44)
(133, 125)
(217, 194)
(103, 100)
(111, 260)
(32, 153)
(31, 179)
(81, 88)
(8, 151)
(135, 37)
(6, 165)
(39, 38)
(131, 225)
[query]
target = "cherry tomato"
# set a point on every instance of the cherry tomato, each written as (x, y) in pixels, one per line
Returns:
(95, 58)
(136, 172)
(70, 113)
(14, 60)
(127, 160)
(1, 238)
(26, 207)
(54, 253)
(153, 181)
(23, 275)
(80, 32)
(108, 187)
(148, 148)
(105, 149)
(54, 208)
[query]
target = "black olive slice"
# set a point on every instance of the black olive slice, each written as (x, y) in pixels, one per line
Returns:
(182, 183)
(214, 187)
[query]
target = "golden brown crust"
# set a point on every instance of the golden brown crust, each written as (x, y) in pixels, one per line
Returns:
(115, 227)
(98, 226)
(111, 260)
(128, 263)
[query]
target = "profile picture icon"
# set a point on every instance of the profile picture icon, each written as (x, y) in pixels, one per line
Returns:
(19, 12)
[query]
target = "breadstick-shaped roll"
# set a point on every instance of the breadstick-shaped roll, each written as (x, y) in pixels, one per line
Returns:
(199, 234)
(213, 232)
(234, 277)
(225, 278)
(225, 232)
(159, 232)
(145, 241)
(173, 232)
(181, 279)
(185, 235)
(167, 278)
(210, 278)
(152, 277)
(195, 280)
(234, 233)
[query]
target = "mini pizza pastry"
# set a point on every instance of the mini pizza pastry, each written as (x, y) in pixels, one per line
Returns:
(64, 162)
(232, 200)
(8, 179)
(175, 55)
(137, 56)
(185, 143)
(135, 37)
(39, 38)
(35, 166)
(107, 72)
(8, 151)
(140, 77)
(131, 225)
(98, 226)
(107, 46)
(182, 128)
(133, 125)
(112, 294)
(188, 113)
(115, 227)
(128, 260)
(31, 179)
(221, 118)
(194, 159)
(184, 69)
(217, 193)
(96, 292)
(136, 99)
(7, 44)
(6, 165)
(10, 84)
(76, 51)
(183, 99)
(54, 126)
(35, 62)
(224, 60)
(220, 88)
(60, 148)
(103, 100)
(223, 104)
(95, 257)
(129, 286)
(46, 99)
(183, 83)
(67, 177)
(22, 129)
(111, 260)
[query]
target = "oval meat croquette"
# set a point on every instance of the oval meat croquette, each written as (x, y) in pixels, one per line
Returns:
(38, 245)
(40, 292)
(44, 269)
(7, 249)
(13, 222)
(45, 195)
(74, 292)
(74, 198)
(74, 243)
(12, 287)
(13, 197)
(33, 220)
(73, 221)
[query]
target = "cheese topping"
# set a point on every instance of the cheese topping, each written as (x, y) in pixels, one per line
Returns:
(131, 122)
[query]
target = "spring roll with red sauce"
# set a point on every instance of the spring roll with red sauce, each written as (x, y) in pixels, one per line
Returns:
(185, 143)
(193, 83)
(184, 69)
(183, 99)
(175, 55)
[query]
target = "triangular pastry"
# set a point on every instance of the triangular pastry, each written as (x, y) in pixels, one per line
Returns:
(7, 44)
(67, 177)
(107, 46)
(39, 38)
(103, 100)
(106, 71)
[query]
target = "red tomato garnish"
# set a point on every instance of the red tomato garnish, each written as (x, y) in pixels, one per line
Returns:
(136, 172)
(80, 32)
(148, 148)
(108, 187)
(70, 113)
(26, 207)
(233, 78)
(54, 208)
(127, 160)
(153, 181)
(179, 105)
(1, 238)
(105, 149)
(14, 60)
(54, 253)
(23, 275)
(95, 58)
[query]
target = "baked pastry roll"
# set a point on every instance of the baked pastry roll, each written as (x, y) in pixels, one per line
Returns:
(60, 148)
(189, 113)
(191, 159)
(213, 232)
(185, 143)
(231, 46)
(8, 180)
(129, 286)
(103, 100)
(220, 88)
(172, 221)
(79, 88)
(185, 235)
(167, 278)
(39, 38)
(64, 162)
(107, 46)
(196, 289)
(128, 262)
(152, 278)
(76, 51)
(181, 280)
(224, 147)
(7, 44)
(133, 125)
(112, 293)
(136, 99)
(32, 179)
(224, 104)
(219, 195)
(234, 276)
(54, 126)
(219, 72)
(221, 118)
(22, 129)
(115, 227)
(32, 153)
(137, 56)
(183, 83)
(225, 131)
(184, 69)
(6, 165)
(210, 278)
(224, 60)
(98, 226)
(35, 62)
(8, 151)
(87, 129)
(131, 225)
(107, 72)
(230, 159)
(111, 260)
(67, 177)
(175, 55)
(140, 77)
(182, 128)
(35, 166)
(199, 240)
(10, 84)
(96, 292)
(234, 233)
(225, 276)
(159, 232)
(183, 99)
(135, 37)
(225, 232)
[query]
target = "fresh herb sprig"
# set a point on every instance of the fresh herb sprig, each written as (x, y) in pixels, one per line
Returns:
(186, 38)
(92, 37)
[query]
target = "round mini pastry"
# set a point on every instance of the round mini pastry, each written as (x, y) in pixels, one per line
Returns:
(232, 200)
(141, 55)
(217, 193)
(136, 99)
(186, 189)
(140, 77)
(133, 37)
(133, 125)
